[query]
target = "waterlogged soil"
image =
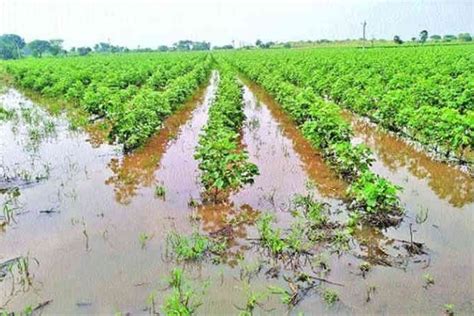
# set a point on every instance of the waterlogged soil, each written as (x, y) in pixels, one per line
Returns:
(83, 205)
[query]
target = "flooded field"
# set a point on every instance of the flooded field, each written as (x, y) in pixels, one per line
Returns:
(86, 227)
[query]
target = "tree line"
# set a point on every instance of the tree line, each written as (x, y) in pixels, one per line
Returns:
(423, 37)
(13, 46)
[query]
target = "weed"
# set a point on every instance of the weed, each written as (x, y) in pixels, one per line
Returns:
(285, 296)
(429, 280)
(421, 215)
(183, 300)
(270, 237)
(143, 238)
(449, 309)
(253, 300)
(365, 267)
(160, 191)
(192, 247)
(330, 296)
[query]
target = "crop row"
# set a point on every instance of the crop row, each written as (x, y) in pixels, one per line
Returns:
(425, 94)
(223, 162)
(321, 123)
(135, 93)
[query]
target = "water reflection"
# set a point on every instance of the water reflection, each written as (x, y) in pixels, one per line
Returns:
(446, 181)
(137, 169)
(325, 179)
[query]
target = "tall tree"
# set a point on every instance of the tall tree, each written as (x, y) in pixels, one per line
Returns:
(39, 47)
(11, 46)
(82, 51)
(465, 37)
(56, 46)
(397, 39)
(423, 36)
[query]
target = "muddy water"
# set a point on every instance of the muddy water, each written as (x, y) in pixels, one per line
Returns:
(439, 200)
(85, 253)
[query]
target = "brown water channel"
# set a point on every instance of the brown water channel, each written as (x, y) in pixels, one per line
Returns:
(82, 208)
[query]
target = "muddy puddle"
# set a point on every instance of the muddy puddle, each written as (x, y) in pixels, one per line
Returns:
(81, 210)
(439, 200)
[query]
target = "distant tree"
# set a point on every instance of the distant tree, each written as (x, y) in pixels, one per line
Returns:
(11, 46)
(435, 38)
(228, 46)
(163, 48)
(56, 46)
(82, 51)
(397, 40)
(449, 38)
(39, 47)
(423, 36)
(413, 39)
(73, 49)
(200, 45)
(183, 45)
(287, 45)
(258, 43)
(465, 37)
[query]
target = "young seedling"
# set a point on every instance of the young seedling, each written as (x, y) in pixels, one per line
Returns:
(429, 280)
(143, 238)
(330, 296)
(160, 192)
(365, 268)
(449, 309)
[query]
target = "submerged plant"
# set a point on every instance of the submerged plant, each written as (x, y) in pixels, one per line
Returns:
(143, 238)
(449, 309)
(330, 296)
(429, 280)
(160, 191)
(184, 299)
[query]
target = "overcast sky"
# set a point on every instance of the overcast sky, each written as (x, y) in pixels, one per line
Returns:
(149, 23)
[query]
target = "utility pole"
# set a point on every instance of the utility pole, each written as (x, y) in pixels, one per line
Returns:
(364, 25)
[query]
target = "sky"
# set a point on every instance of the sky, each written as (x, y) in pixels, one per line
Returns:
(149, 23)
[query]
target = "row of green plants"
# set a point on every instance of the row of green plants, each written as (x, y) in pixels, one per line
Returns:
(139, 118)
(425, 94)
(320, 122)
(222, 160)
(115, 87)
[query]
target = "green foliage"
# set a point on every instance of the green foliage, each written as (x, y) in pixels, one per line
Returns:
(449, 309)
(330, 296)
(183, 299)
(135, 93)
(143, 238)
(160, 191)
(375, 194)
(223, 163)
(270, 237)
(191, 247)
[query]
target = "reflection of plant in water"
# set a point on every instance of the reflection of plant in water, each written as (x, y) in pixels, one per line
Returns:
(422, 215)
(446, 181)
